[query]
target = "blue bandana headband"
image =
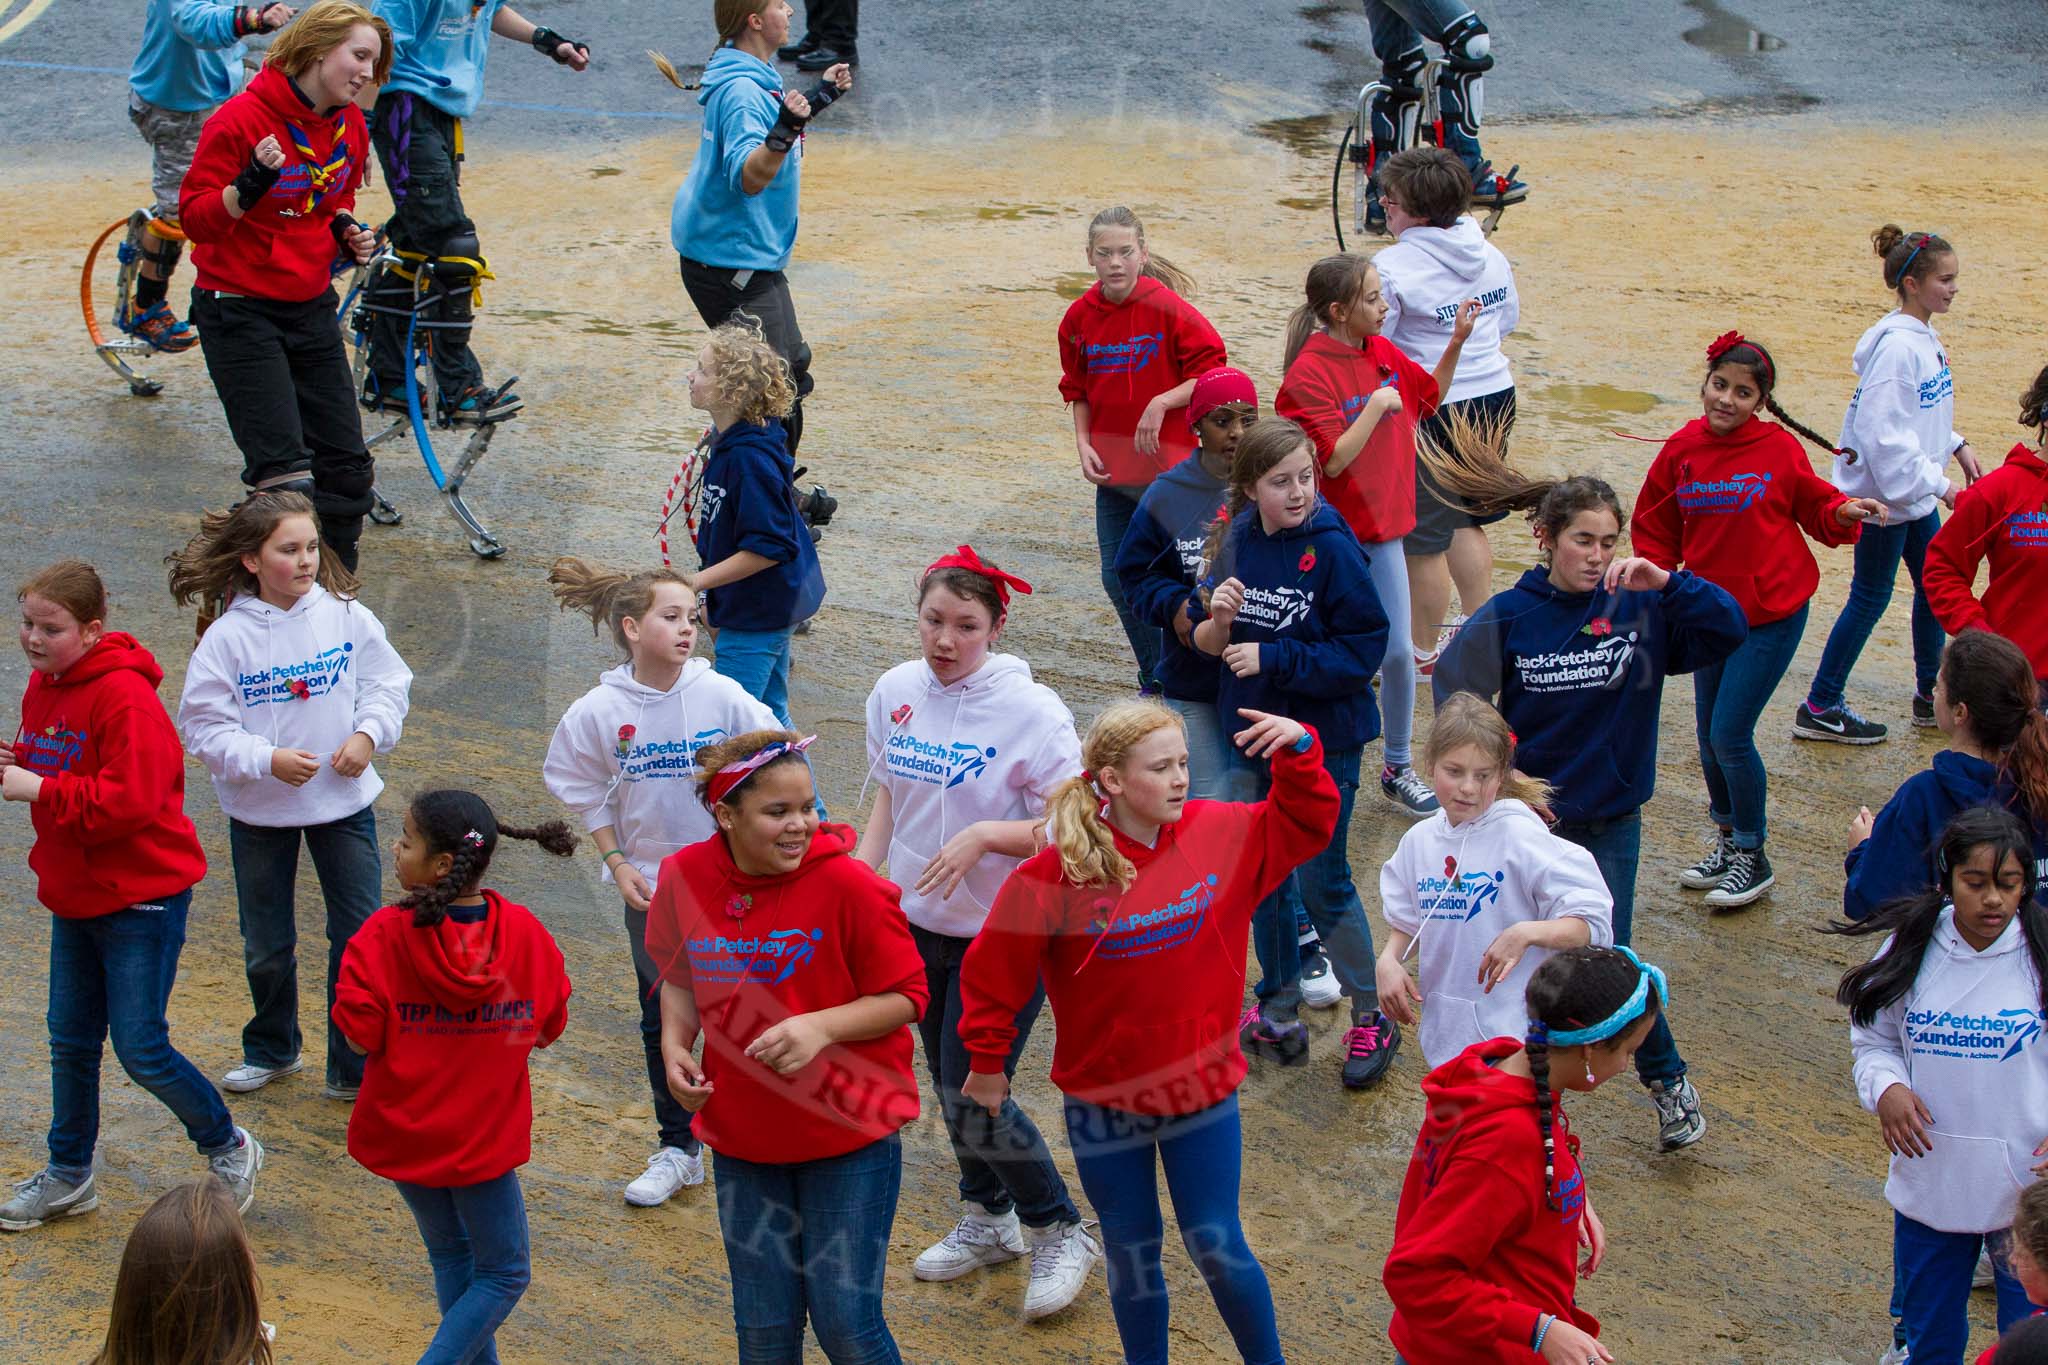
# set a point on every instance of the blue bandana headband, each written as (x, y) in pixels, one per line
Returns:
(1630, 1011)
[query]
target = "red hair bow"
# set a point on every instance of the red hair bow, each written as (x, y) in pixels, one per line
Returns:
(966, 558)
(1722, 345)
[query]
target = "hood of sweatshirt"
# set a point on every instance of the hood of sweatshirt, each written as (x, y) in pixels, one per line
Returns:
(1966, 780)
(622, 679)
(2025, 459)
(1459, 248)
(729, 64)
(281, 96)
(116, 650)
(829, 842)
(1470, 1099)
(766, 437)
(1752, 433)
(1867, 344)
(459, 963)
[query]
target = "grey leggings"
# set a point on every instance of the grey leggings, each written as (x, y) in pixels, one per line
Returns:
(1389, 567)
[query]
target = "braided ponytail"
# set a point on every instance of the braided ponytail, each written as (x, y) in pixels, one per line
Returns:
(1537, 1046)
(1788, 420)
(462, 825)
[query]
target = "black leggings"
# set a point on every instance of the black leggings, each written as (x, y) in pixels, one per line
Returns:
(283, 377)
(764, 295)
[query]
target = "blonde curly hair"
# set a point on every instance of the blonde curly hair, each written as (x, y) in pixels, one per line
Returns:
(747, 375)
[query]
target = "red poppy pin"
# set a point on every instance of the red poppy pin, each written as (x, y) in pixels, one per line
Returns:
(299, 690)
(1450, 869)
(738, 906)
(1223, 512)
(900, 714)
(1308, 559)
(1099, 915)
(1597, 627)
(626, 733)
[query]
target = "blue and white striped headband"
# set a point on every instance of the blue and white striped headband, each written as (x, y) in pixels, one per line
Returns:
(1630, 1011)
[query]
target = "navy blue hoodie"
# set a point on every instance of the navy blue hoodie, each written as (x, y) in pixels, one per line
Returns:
(1580, 678)
(749, 503)
(1310, 606)
(1898, 857)
(1160, 562)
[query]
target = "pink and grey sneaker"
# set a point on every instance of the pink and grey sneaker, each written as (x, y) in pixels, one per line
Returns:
(1259, 1036)
(158, 326)
(1369, 1048)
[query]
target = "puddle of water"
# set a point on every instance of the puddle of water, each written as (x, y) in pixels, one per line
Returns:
(1728, 35)
(987, 213)
(605, 327)
(528, 314)
(1072, 284)
(1312, 205)
(1321, 46)
(600, 172)
(1313, 135)
(1314, 12)
(1592, 404)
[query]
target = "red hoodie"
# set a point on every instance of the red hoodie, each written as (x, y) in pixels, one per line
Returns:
(283, 248)
(1730, 508)
(1479, 1254)
(1145, 984)
(1326, 388)
(758, 950)
(448, 1014)
(2004, 517)
(110, 824)
(1117, 357)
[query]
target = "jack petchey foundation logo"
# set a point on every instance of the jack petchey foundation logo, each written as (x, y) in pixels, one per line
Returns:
(1736, 493)
(1123, 357)
(1604, 665)
(1989, 1037)
(302, 681)
(944, 765)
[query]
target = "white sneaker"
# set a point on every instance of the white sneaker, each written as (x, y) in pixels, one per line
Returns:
(249, 1076)
(1061, 1257)
(980, 1238)
(1895, 1356)
(668, 1171)
(1319, 988)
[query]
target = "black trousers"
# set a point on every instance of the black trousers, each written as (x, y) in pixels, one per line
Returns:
(834, 23)
(283, 377)
(415, 144)
(764, 295)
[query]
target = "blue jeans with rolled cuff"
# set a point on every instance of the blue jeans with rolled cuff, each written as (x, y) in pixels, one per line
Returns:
(1728, 700)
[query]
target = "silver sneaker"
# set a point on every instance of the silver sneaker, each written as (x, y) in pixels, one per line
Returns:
(250, 1076)
(46, 1196)
(1679, 1120)
(980, 1238)
(1061, 1257)
(236, 1168)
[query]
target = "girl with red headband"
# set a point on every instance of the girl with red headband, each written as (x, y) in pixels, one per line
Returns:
(1135, 921)
(2004, 518)
(966, 749)
(794, 963)
(1130, 350)
(1727, 497)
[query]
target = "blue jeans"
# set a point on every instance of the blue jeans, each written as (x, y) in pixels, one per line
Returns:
(1617, 846)
(1933, 1289)
(1210, 752)
(757, 660)
(1878, 552)
(111, 976)
(810, 1237)
(1728, 699)
(476, 1242)
(266, 860)
(1114, 508)
(1323, 887)
(1117, 1155)
(670, 1118)
(1003, 1159)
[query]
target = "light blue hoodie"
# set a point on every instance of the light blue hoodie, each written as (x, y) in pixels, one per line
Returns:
(190, 58)
(714, 221)
(445, 39)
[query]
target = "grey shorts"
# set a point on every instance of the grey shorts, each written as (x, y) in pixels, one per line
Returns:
(173, 136)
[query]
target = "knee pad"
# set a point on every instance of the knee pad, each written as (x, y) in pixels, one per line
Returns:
(1468, 56)
(1396, 113)
(341, 488)
(800, 369)
(151, 239)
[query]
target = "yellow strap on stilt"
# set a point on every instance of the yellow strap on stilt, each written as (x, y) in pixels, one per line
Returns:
(482, 267)
(168, 231)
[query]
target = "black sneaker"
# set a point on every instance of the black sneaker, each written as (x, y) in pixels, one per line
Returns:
(789, 52)
(1839, 724)
(1407, 793)
(1923, 712)
(1369, 1048)
(1259, 1036)
(1708, 871)
(1749, 876)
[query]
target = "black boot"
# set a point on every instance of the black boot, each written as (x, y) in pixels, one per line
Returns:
(789, 52)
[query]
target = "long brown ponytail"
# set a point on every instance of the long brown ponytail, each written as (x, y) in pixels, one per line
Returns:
(1331, 281)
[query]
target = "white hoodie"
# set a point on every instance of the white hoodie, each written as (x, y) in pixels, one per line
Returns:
(1966, 1038)
(1901, 419)
(1456, 888)
(264, 679)
(1424, 277)
(625, 755)
(990, 747)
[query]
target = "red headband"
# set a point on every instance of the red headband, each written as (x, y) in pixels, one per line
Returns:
(966, 558)
(1728, 341)
(732, 774)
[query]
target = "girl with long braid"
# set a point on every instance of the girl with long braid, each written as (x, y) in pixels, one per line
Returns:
(446, 993)
(1494, 1209)
(1727, 497)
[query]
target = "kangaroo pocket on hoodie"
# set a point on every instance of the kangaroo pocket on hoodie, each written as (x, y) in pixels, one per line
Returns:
(1155, 1058)
(1450, 1024)
(1976, 1191)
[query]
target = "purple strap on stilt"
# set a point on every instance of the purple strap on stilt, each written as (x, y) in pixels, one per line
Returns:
(400, 129)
